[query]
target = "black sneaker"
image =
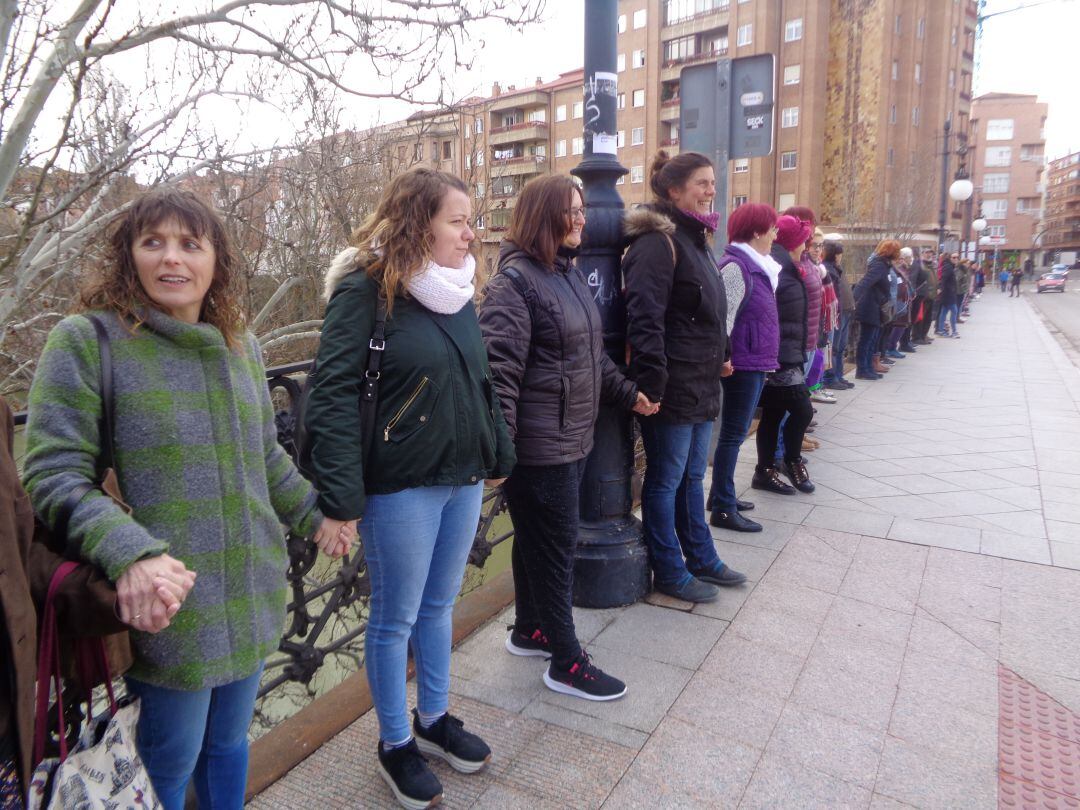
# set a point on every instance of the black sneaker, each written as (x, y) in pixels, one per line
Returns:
(583, 680)
(407, 774)
(517, 643)
(721, 574)
(447, 739)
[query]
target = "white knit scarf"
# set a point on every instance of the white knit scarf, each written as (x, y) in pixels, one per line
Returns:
(767, 263)
(445, 289)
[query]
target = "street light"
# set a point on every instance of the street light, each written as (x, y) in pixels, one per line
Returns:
(961, 189)
(979, 225)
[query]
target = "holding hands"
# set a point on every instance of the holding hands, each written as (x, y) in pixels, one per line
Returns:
(645, 406)
(151, 591)
(335, 538)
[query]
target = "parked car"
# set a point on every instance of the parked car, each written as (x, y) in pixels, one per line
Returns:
(1054, 281)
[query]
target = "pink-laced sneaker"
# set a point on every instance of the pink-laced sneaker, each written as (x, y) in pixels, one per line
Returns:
(517, 643)
(584, 680)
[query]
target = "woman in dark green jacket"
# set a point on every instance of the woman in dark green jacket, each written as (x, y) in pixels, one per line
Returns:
(438, 434)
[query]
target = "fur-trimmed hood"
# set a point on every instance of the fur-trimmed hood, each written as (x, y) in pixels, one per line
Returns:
(344, 263)
(647, 219)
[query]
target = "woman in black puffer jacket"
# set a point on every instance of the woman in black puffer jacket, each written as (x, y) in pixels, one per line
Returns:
(545, 346)
(676, 327)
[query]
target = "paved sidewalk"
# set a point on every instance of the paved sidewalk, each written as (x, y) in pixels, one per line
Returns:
(910, 636)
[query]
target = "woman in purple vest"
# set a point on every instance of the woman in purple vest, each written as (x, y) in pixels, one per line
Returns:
(750, 276)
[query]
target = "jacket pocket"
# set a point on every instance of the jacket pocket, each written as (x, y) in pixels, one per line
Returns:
(686, 297)
(414, 413)
(564, 401)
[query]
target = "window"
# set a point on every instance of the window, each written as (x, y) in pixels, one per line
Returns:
(622, 23)
(889, 157)
(745, 34)
(1028, 205)
(577, 146)
(785, 202)
(920, 29)
(639, 18)
(508, 120)
(737, 200)
(579, 109)
(892, 114)
(468, 161)
(620, 139)
(680, 48)
(637, 136)
(479, 190)
(789, 117)
(447, 150)
(998, 156)
(479, 158)
(620, 63)
(1031, 152)
(539, 115)
(792, 74)
(740, 165)
(918, 73)
(478, 125)
(952, 40)
(479, 222)
(639, 98)
(793, 30)
(638, 60)
(995, 209)
(560, 148)
(915, 116)
(897, 27)
(622, 101)
(418, 151)
(538, 149)
(996, 230)
(895, 69)
(999, 129)
(560, 112)
(952, 78)
(789, 160)
(996, 183)
(637, 174)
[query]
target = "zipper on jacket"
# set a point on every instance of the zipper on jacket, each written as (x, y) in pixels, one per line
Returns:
(401, 411)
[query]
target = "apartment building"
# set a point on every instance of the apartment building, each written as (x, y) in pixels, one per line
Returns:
(1007, 163)
(1061, 218)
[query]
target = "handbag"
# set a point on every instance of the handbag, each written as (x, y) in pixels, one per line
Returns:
(85, 604)
(103, 768)
(369, 398)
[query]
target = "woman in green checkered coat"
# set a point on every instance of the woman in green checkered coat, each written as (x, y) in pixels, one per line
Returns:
(198, 463)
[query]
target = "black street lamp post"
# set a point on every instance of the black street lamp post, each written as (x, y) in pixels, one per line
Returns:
(943, 211)
(611, 567)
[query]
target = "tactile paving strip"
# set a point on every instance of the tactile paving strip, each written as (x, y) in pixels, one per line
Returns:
(1038, 747)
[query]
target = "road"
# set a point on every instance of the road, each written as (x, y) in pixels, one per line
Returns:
(1060, 312)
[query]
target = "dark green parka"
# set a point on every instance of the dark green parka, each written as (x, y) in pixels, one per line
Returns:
(437, 421)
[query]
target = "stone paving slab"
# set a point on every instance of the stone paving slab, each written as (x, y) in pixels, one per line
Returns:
(860, 665)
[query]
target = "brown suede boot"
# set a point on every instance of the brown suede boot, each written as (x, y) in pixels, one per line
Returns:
(880, 367)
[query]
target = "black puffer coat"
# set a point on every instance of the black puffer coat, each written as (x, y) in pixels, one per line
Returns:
(792, 307)
(676, 314)
(545, 346)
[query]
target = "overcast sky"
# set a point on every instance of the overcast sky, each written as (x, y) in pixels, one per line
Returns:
(1034, 50)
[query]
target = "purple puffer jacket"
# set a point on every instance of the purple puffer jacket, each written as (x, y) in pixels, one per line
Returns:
(755, 336)
(815, 294)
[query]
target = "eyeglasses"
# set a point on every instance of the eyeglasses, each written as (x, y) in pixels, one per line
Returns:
(818, 245)
(576, 213)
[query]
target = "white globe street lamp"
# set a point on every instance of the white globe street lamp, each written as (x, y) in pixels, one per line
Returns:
(961, 189)
(979, 225)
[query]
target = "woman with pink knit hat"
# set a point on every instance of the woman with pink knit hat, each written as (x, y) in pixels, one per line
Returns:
(785, 391)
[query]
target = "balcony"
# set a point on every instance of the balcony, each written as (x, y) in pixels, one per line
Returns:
(520, 165)
(505, 194)
(514, 100)
(697, 23)
(523, 131)
(669, 142)
(672, 68)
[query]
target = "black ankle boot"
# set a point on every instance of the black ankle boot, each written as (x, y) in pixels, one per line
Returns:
(796, 471)
(768, 479)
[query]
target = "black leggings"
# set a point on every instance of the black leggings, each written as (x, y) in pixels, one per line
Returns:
(794, 401)
(543, 503)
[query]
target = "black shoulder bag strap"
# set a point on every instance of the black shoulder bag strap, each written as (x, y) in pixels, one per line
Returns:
(105, 458)
(369, 395)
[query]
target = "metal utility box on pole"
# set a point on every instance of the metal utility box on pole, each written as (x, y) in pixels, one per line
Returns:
(726, 111)
(611, 565)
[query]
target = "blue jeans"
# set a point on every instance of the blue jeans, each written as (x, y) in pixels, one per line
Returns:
(869, 335)
(673, 499)
(839, 347)
(741, 392)
(200, 734)
(947, 310)
(416, 544)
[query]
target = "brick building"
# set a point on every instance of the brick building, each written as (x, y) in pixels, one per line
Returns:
(1061, 217)
(1007, 166)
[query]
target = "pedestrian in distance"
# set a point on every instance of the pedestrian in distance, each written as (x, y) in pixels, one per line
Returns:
(750, 276)
(1003, 278)
(833, 261)
(785, 393)
(949, 296)
(1016, 276)
(830, 309)
(198, 463)
(417, 482)
(544, 341)
(676, 331)
(872, 306)
(926, 289)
